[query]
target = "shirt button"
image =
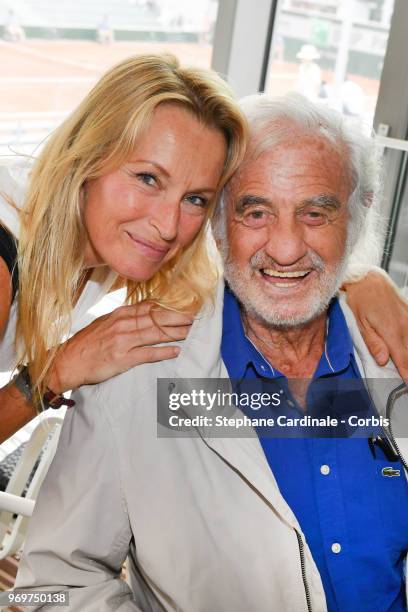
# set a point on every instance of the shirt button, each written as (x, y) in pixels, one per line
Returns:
(336, 548)
(325, 469)
(263, 368)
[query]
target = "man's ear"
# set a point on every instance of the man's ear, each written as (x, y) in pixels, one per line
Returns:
(368, 198)
(216, 221)
(217, 240)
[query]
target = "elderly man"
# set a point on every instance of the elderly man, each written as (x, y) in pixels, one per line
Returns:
(235, 524)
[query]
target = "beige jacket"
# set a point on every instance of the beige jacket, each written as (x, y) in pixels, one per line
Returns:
(202, 520)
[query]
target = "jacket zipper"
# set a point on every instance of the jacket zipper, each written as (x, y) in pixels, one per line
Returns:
(303, 568)
(393, 440)
(400, 390)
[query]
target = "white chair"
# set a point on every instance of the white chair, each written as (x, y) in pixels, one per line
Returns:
(13, 528)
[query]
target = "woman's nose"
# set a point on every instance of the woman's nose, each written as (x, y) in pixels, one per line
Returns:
(166, 219)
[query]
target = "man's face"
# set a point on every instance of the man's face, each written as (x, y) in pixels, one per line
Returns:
(287, 231)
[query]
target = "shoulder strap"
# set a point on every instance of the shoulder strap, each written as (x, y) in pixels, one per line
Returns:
(8, 252)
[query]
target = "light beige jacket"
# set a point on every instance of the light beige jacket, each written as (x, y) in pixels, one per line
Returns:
(202, 520)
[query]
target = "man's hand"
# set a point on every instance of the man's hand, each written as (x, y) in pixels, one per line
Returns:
(382, 316)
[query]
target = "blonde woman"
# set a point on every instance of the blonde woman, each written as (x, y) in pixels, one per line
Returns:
(119, 197)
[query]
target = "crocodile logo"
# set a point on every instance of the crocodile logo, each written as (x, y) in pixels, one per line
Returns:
(390, 471)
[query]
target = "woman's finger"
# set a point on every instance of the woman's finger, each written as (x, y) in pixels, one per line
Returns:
(150, 309)
(160, 319)
(155, 335)
(375, 344)
(169, 318)
(140, 324)
(150, 354)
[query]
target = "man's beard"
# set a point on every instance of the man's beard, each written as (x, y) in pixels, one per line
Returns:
(274, 312)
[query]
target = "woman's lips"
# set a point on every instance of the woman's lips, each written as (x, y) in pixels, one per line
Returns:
(151, 250)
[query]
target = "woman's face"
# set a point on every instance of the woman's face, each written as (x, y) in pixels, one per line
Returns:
(141, 215)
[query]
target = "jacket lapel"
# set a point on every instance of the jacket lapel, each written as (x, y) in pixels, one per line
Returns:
(201, 358)
(380, 382)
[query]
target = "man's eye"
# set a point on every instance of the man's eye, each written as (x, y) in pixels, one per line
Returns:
(147, 178)
(314, 218)
(257, 214)
(256, 218)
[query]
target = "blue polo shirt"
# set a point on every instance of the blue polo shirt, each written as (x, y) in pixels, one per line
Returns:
(354, 518)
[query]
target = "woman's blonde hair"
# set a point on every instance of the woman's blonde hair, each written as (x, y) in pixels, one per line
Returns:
(96, 138)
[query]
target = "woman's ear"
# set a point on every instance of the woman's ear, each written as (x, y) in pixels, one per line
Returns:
(83, 197)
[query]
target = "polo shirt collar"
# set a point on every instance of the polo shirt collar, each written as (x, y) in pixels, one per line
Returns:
(339, 350)
(239, 352)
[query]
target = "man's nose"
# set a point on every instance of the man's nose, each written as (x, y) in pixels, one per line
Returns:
(286, 244)
(165, 218)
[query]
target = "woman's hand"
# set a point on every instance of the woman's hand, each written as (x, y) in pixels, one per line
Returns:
(117, 342)
(382, 316)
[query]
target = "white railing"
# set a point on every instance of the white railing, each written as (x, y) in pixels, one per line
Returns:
(23, 133)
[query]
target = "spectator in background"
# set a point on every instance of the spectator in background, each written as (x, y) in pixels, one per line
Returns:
(13, 31)
(309, 74)
(352, 98)
(105, 34)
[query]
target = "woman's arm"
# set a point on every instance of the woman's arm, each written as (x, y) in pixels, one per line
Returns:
(5, 295)
(15, 411)
(382, 316)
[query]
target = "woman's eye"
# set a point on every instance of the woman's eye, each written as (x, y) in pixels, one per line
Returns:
(197, 200)
(146, 178)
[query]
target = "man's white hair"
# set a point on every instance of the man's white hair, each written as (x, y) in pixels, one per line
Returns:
(275, 120)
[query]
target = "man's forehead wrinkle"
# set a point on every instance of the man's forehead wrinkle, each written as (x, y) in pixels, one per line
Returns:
(320, 167)
(249, 183)
(309, 162)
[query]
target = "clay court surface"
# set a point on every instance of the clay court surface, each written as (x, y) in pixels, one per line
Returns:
(53, 76)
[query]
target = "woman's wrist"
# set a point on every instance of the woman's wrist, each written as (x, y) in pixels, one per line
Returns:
(49, 399)
(57, 383)
(67, 368)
